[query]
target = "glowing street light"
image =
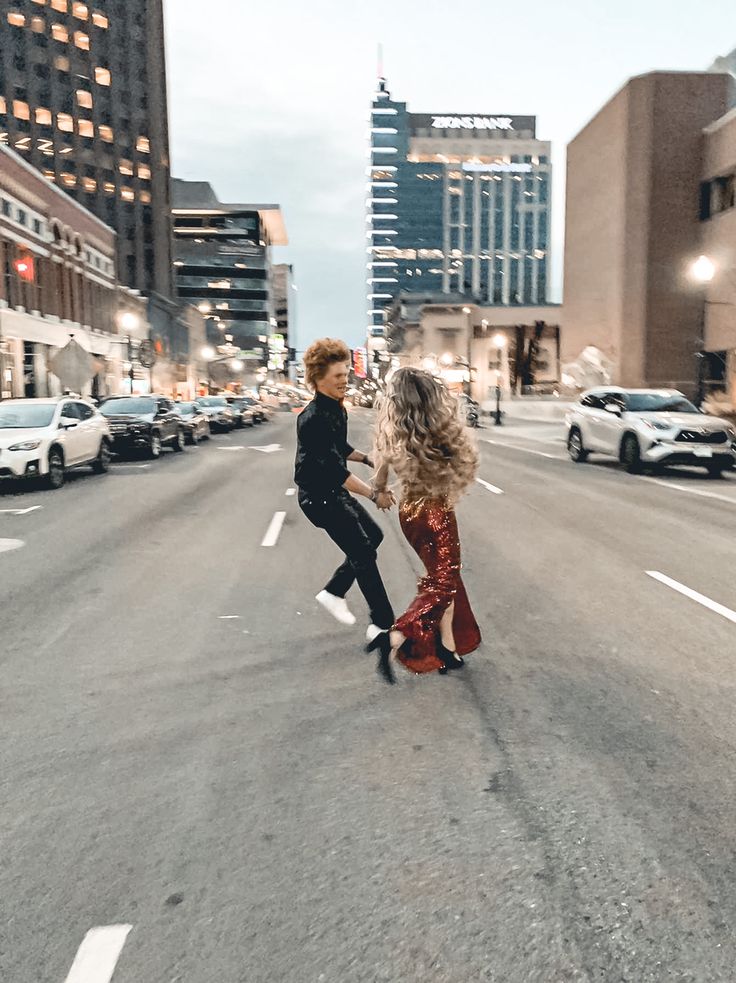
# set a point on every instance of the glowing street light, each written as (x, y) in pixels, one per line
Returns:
(204, 307)
(703, 269)
(129, 321)
(447, 358)
(238, 365)
(429, 363)
(499, 340)
(208, 353)
(466, 310)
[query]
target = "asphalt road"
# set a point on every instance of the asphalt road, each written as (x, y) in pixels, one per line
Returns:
(193, 750)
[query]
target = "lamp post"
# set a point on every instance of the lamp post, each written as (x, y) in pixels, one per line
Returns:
(467, 311)
(703, 270)
(129, 322)
(499, 343)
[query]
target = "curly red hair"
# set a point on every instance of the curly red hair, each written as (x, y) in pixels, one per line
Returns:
(320, 356)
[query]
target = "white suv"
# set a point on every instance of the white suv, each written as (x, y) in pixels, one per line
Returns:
(649, 427)
(46, 437)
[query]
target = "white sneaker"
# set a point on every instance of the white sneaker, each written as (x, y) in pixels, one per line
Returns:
(372, 632)
(337, 606)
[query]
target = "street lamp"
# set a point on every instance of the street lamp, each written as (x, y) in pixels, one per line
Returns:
(447, 359)
(703, 269)
(238, 365)
(129, 322)
(208, 353)
(499, 343)
(204, 307)
(429, 363)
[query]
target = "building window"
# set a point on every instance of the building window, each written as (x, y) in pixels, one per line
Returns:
(126, 167)
(60, 33)
(99, 20)
(7, 210)
(41, 3)
(22, 217)
(65, 122)
(144, 172)
(60, 5)
(143, 145)
(67, 179)
(81, 40)
(16, 19)
(89, 184)
(80, 10)
(109, 187)
(37, 227)
(21, 110)
(43, 117)
(84, 99)
(106, 134)
(127, 194)
(103, 76)
(3, 106)
(61, 63)
(48, 174)
(86, 128)
(145, 197)
(38, 25)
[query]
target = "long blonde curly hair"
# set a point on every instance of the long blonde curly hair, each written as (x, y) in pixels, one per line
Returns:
(420, 434)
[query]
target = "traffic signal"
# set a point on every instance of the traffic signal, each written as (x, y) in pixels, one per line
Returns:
(25, 268)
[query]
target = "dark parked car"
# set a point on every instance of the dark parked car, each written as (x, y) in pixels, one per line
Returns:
(218, 412)
(143, 423)
(261, 412)
(242, 412)
(196, 424)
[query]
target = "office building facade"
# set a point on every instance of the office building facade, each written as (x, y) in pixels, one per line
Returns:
(223, 263)
(456, 204)
(83, 100)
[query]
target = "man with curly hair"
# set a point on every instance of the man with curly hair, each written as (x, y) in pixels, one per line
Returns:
(327, 487)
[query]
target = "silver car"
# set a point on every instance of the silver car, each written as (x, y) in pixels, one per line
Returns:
(649, 427)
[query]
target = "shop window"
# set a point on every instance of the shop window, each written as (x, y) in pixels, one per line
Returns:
(60, 33)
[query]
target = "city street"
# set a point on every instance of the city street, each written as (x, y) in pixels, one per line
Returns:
(193, 750)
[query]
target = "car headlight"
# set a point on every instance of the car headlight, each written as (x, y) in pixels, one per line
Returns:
(26, 445)
(656, 425)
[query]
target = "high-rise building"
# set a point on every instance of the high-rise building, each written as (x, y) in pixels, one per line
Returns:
(83, 99)
(457, 204)
(284, 304)
(223, 262)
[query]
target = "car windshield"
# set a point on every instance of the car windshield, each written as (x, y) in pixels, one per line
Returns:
(213, 401)
(185, 409)
(127, 406)
(658, 403)
(26, 416)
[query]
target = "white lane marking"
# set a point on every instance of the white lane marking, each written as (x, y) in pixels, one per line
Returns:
(229, 617)
(231, 448)
(693, 595)
(267, 448)
(6, 545)
(98, 954)
(524, 450)
(274, 530)
(33, 508)
(290, 492)
(689, 491)
(489, 486)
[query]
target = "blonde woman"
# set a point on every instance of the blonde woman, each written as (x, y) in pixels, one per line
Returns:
(420, 435)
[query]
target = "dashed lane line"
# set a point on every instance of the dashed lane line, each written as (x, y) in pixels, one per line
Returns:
(690, 491)
(33, 508)
(274, 529)
(524, 450)
(693, 595)
(491, 488)
(7, 545)
(98, 954)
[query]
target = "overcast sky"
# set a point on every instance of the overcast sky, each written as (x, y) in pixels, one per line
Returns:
(269, 101)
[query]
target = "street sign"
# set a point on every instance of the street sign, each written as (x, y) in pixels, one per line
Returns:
(146, 354)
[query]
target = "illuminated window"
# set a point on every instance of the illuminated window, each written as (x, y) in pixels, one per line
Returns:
(81, 40)
(61, 63)
(21, 110)
(145, 197)
(84, 98)
(49, 175)
(61, 5)
(67, 179)
(144, 172)
(65, 122)
(38, 25)
(127, 194)
(126, 167)
(102, 76)
(86, 128)
(80, 10)
(16, 19)
(106, 134)
(41, 3)
(59, 33)
(89, 184)
(143, 145)
(109, 187)
(3, 105)
(43, 117)
(99, 20)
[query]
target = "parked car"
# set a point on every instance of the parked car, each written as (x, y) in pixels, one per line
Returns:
(143, 423)
(218, 412)
(242, 411)
(44, 438)
(262, 413)
(649, 427)
(196, 425)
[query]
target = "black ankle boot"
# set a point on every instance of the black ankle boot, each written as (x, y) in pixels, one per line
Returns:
(382, 642)
(451, 660)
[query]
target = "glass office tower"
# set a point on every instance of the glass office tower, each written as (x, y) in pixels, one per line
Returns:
(457, 204)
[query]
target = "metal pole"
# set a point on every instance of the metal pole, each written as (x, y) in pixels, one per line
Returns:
(131, 373)
(498, 404)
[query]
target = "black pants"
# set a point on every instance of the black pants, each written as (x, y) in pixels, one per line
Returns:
(348, 524)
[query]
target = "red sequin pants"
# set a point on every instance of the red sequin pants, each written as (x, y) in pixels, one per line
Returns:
(431, 529)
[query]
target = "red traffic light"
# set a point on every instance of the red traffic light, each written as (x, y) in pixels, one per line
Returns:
(24, 268)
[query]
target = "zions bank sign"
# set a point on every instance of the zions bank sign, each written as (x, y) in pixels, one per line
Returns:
(490, 124)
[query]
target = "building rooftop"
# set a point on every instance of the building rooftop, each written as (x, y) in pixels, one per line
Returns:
(199, 196)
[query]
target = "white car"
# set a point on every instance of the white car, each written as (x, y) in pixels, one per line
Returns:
(649, 427)
(46, 437)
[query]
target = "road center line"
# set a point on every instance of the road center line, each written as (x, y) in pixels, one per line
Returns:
(489, 486)
(274, 530)
(690, 491)
(693, 595)
(98, 954)
(524, 450)
(33, 508)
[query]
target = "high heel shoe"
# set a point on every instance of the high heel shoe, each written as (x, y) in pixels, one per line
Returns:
(382, 642)
(451, 660)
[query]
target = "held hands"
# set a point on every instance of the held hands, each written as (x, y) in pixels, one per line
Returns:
(385, 500)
